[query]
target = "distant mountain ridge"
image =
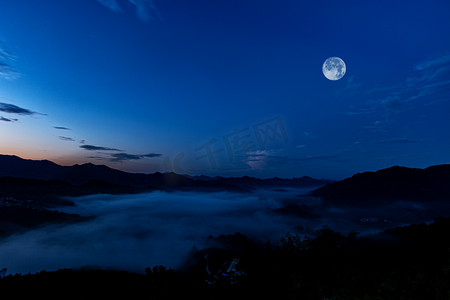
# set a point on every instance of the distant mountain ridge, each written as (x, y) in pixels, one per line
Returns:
(368, 188)
(30, 190)
(13, 166)
(394, 183)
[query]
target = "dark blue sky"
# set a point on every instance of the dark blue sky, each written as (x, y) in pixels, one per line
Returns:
(226, 87)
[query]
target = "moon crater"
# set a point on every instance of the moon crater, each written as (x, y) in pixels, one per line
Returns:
(334, 68)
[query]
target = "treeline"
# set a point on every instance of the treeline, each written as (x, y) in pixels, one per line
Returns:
(410, 262)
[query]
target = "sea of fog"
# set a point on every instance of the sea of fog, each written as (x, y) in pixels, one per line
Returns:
(132, 232)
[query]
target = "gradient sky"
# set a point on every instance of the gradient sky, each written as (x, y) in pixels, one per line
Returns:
(226, 87)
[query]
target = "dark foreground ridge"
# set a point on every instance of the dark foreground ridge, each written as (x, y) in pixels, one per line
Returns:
(410, 262)
(395, 183)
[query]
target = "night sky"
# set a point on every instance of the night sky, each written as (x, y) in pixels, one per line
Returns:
(227, 88)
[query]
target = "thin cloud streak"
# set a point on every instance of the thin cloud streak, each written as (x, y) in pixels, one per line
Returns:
(6, 59)
(65, 138)
(120, 157)
(428, 85)
(145, 9)
(431, 79)
(7, 119)
(13, 109)
(432, 63)
(98, 148)
(111, 4)
(61, 128)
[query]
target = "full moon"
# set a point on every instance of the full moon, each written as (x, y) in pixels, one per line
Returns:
(334, 68)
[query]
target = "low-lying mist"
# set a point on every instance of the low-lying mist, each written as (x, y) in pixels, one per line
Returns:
(132, 232)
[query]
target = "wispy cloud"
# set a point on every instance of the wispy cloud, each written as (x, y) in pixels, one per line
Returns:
(65, 138)
(393, 102)
(352, 86)
(257, 159)
(352, 83)
(113, 157)
(6, 60)
(430, 82)
(434, 63)
(61, 128)
(145, 9)
(7, 119)
(111, 4)
(96, 157)
(266, 159)
(13, 109)
(120, 157)
(274, 158)
(98, 148)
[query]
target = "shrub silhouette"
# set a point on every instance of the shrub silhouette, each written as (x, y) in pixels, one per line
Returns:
(411, 262)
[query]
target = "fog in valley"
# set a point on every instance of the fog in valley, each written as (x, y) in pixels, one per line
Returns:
(132, 232)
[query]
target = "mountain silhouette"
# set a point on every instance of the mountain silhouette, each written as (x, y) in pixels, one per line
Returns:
(368, 188)
(13, 166)
(30, 190)
(386, 185)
